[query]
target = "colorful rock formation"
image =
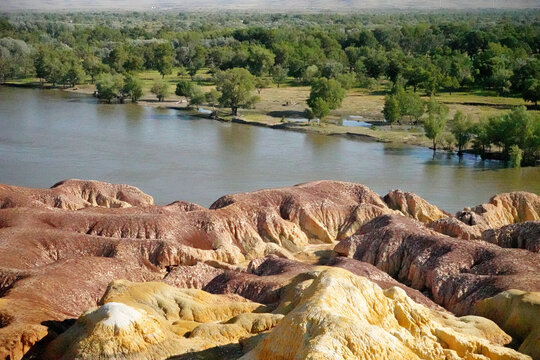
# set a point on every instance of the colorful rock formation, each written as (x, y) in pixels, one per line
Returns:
(455, 273)
(157, 321)
(524, 235)
(414, 206)
(344, 316)
(501, 210)
(518, 313)
(247, 262)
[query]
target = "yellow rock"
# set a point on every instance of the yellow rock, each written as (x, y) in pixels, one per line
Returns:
(328, 313)
(156, 321)
(344, 316)
(414, 206)
(518, 313)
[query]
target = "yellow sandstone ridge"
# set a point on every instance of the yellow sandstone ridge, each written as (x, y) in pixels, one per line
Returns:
(414, 206)
(344, 316)
(510, 208)
(328, 313)
(518, 313)
(501, 210)
(156, 321)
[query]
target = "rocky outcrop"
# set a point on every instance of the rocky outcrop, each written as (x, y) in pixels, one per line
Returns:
(44, 297)
(343, 316)
(518, 313)
(414, 206)
(454, 227)
(522, 236)
(505, 209)
(267, 278)
(55, 262)
(455, 273)
(501, 210)
(157, 321)
(330, 313)
(74, 195)
(61, 247)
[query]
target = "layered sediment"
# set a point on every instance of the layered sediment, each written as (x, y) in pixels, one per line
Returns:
(455, 273)
(90, 269)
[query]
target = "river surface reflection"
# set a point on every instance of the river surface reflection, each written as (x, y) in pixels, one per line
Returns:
(47, 136)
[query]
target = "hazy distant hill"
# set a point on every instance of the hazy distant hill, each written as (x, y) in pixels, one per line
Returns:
(279, 5)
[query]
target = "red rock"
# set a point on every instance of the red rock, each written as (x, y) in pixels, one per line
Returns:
(74, 195)
(524, 235)
(455, 273)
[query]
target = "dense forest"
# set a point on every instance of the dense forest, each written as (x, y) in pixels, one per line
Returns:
(405, 53)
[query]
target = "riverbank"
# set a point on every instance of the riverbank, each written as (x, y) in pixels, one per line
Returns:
(283, 108)
(407, 135)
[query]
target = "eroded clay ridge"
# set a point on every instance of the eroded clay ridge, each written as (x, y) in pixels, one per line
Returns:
(61, 247)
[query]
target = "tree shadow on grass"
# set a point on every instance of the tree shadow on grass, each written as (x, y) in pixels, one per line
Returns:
(287, 114)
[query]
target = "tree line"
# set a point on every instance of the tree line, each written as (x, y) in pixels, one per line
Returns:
(431, 53)
(515, 136)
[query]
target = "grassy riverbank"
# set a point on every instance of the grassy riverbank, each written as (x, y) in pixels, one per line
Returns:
(278, 107)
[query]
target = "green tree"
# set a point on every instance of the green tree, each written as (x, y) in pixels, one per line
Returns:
(133, 87)
(109, 86)
(391, 110)
(184, 88)
(40, 64)
(516, 156)
(235, 86)
(163, 57)
(331, 69)
(346, 80)
(279, 74)
(93, 66)
(160, 89)
(432, 78)
(310, 74)
(410, 104)
(50, 66)
(116, 59)
(197, 96)
(414, 73)
(500, 79)
(329, 90)
(481, 140)
(56, 69)
(74, 72)
(531, 91)
(375, 62)
(522, 128)
(260, 60)
(261, 83)
(319, 109)
(15, 59)
(435, 123)
(196, 61)
(461, 128)
(212, 97)
(413, 106)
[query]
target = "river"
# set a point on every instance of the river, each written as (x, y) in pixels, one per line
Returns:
(49, 135)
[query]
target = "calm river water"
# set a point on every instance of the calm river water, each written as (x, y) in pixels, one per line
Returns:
(47, 136)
